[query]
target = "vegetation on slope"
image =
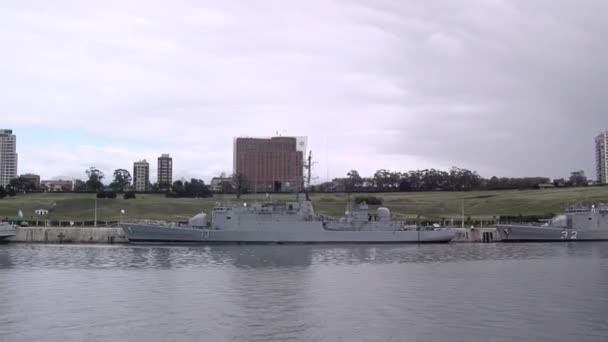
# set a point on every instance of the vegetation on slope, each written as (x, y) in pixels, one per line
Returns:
(436, 205)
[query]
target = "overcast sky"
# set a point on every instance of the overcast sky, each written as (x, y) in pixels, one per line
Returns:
(507, 88)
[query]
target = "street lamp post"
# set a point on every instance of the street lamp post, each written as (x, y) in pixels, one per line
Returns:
(462, 225)
(95, 218)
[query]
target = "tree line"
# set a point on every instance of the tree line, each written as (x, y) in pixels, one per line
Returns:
(456, 179)
(383, 180)
(122, 180)
(121, 183)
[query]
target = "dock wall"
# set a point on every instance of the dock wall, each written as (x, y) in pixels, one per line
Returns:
(111, 235)
(476, 235)
(105, 235)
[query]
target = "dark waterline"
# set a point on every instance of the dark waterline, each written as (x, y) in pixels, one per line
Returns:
(456, 292)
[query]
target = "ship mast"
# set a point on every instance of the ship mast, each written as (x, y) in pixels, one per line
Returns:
(308, 167)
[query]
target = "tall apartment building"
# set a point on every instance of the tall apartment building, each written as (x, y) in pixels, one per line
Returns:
(270, 164)
(141, 175)
(8, 156)
(601, 157)
(165, 170)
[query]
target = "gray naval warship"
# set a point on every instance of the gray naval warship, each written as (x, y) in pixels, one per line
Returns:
(578, 223)
(290, 222)
(7, 230)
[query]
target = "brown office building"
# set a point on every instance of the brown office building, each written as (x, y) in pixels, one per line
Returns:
(270, 164)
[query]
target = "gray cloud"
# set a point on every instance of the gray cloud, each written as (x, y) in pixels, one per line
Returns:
(514, 87)
(504, 87)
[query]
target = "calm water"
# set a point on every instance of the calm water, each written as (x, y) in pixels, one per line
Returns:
(457, 292)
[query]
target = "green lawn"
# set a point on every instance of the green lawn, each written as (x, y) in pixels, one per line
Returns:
(477, 204)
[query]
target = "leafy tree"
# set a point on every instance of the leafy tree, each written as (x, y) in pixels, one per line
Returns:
(177, 189)
(505, 183)
(241, 184)
(11, 191)
(122, 180)
(493, 183)
(226, 187)
(578, 178)
(404, 183)
(326, 187)
(23, 184)
(106, 194)
(3, 192)
(129, 195)
(386, 180)
(163, 186)
(79, 185)
(95, 177)
(456, 179)
(371, 200)
(196, 188)
(178, 186)
(354, 180)
(15, 184)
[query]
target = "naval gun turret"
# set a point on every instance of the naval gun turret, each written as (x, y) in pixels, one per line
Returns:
(383, 214)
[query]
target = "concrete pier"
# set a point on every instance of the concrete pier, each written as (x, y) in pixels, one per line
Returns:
(105, 235)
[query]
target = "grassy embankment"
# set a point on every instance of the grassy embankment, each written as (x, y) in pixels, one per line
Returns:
(436, 205)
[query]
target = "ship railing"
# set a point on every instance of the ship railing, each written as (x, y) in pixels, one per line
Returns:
(521, 223)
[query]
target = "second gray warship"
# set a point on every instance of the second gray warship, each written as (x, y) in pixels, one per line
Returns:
(7, 230)
(578, 223)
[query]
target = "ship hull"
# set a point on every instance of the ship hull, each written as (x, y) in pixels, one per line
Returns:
(6, 233)
(521, 233)
(155, 234)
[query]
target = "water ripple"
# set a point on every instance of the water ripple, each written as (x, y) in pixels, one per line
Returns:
(456, 292)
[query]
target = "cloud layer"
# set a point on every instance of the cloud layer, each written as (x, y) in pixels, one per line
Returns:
(504, 87)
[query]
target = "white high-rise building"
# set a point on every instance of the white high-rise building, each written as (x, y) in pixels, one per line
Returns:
(8, 156)
(601, 157)
(141, 175)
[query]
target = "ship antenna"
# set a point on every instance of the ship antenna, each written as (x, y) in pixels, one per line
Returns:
(308, 168)
(255, 182)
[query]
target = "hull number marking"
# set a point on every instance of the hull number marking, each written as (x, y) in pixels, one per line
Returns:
(205, 234)
(569, 235)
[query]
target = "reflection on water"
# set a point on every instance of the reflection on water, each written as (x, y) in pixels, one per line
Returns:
(263, 256)
(456, 292)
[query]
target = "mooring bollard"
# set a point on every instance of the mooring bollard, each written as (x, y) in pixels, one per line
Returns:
(61, 236)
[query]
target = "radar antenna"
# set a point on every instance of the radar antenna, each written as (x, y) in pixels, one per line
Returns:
(308, 168)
